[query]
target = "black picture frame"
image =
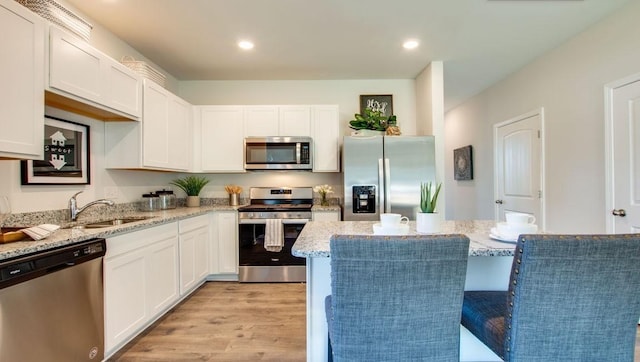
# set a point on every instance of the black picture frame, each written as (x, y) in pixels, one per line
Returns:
(377, 102)
(66, 156)
(463, 163)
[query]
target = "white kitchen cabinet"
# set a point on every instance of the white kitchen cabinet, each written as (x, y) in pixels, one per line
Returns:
(80, 72)
(265, 121)
(162, 141)
(22, 91)
(194, 252)
(224, 244)
(221, 138)
(140, 281)
(325, 215)
(326, 138)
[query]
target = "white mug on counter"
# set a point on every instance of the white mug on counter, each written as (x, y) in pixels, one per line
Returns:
(388, 220)
(518, 218)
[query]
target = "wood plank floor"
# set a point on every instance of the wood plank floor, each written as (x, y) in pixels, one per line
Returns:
(232, 322)
(228, 321)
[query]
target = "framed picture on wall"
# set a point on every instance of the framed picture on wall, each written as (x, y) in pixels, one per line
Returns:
(66, 155)
(463, 163)
(382, 103)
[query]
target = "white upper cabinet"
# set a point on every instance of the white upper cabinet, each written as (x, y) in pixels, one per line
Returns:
(80, 72)
(266, 121)
(220, 139)
(162, 141)
(326, 138)
(22, 90)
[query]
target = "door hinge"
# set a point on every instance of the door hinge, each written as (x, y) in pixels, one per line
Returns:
(539, 194)
(538, 133)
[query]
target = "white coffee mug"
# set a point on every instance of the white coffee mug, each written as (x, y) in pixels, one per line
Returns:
(518, 218)
(391, 220)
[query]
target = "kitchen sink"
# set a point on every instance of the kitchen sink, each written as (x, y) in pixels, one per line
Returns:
(108, 223)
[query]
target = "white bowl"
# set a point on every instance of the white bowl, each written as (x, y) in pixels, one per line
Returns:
(509, 230)
(399, 229)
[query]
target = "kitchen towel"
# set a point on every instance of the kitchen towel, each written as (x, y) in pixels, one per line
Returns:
(40, 231)
(273, 235)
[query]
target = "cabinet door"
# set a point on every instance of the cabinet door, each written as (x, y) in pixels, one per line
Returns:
(75, 66)
(295, 121)
(124, 297)
(155, 126)
(261, 121)
(179, 134)
(224, 251)
(326, 139)
(22, 90)
(123, 89)
(222, 139)
(194, 266)
(163, 273)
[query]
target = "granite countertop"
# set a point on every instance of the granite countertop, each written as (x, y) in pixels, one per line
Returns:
(314, 238)
(67, 235)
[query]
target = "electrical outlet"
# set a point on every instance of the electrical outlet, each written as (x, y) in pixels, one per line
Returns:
(111, 192)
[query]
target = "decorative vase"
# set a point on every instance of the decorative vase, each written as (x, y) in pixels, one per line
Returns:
(193, 201)
(323, 200)
(428, 223)
(233, 199)
(367, 133)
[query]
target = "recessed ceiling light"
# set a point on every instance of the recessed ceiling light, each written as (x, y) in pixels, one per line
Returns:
(245, 44)
(410, 44)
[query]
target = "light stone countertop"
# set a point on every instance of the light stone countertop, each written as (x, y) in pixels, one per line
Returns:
(66, 236)
(313, 241)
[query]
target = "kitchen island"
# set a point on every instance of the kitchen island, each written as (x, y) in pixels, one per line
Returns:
(488, 268)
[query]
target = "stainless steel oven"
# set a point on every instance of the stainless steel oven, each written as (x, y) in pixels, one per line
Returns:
(268, 228)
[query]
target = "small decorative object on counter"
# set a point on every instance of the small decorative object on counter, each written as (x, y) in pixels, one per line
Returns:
(428, 221)
(323, 190)
(150, 202)
(167, 199)
(191, 185)
(234, 192)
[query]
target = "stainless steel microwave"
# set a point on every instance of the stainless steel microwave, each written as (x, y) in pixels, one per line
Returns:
(278, 153)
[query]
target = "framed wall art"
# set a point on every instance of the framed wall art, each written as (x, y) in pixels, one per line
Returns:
(382, 103)
(463, 163)
(66, 155)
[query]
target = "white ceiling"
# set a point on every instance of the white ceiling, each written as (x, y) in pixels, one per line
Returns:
(479, 41)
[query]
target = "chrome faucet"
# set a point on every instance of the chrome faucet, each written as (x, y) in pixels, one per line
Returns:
(73, 206)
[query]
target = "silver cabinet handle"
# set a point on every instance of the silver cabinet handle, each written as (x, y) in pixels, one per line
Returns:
(499, 202)
(619, 212)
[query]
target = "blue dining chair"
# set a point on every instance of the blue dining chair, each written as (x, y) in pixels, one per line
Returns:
(396, 298)
(570, 298)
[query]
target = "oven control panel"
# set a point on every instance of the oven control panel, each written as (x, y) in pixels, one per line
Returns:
(274, 215)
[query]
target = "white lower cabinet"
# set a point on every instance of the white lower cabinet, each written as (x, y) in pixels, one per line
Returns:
(326, 216)
(194, 252)
(224, 244)
(140, 281)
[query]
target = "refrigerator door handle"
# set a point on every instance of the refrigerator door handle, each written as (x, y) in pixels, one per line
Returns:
(387, 185)
(381, 186)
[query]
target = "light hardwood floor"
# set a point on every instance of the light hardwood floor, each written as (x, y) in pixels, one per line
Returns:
(228, 321)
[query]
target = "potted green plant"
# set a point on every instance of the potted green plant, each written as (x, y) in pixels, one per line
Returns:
(428, 220)
(191, 185)
(371, 120)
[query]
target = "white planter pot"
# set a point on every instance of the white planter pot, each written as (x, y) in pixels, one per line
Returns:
(193, 201)
(428, 223)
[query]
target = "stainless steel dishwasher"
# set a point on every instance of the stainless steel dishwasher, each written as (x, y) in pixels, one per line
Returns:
(51, 306)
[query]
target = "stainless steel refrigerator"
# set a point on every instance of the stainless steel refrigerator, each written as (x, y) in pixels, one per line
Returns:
(383, 174)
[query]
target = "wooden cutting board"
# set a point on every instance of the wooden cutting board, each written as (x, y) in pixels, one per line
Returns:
(9, 235)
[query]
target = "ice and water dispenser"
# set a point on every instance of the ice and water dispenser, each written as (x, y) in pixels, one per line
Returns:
(364, 199)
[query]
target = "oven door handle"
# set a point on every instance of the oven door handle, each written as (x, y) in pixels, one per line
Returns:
(264, 221)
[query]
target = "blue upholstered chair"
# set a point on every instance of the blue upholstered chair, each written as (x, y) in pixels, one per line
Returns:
(396, 298)
(570, 298)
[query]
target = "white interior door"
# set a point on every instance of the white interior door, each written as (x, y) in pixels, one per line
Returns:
(518, 166)
(623, 145)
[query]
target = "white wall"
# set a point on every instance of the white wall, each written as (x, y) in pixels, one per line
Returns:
(569, 83)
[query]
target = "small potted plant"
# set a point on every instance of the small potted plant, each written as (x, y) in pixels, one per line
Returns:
(428, 220)
(323, 190)
(191, 185)
(371, 120)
